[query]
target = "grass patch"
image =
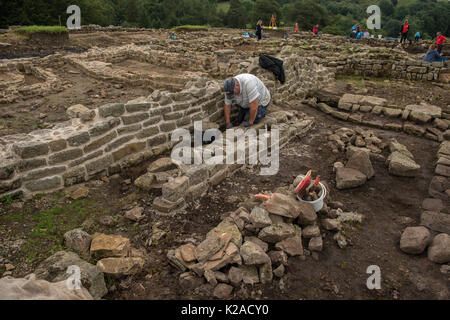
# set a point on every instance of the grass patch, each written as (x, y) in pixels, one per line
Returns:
(7, 199)
(190, 28)
(359, 80)
(27, 32)
(48, 226)
(41, 29)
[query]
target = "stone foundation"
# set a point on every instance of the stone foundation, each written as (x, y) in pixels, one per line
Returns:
(120, 135)
(419, 120)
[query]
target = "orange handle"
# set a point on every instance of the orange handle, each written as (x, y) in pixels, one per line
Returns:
(262, 197)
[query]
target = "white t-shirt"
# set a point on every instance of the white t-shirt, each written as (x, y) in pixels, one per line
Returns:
(251, 88)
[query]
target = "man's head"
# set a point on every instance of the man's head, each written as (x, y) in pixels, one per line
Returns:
(432, 47)
(231, 87)
(438, 34)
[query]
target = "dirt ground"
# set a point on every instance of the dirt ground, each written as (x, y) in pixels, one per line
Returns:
(33, 230)
(388, 204)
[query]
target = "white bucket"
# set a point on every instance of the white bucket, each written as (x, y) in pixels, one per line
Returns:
(318, 204)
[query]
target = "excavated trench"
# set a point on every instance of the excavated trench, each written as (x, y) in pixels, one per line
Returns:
(387, 203)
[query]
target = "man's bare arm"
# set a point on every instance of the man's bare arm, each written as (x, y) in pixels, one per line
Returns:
(253, 111)
(227, 111)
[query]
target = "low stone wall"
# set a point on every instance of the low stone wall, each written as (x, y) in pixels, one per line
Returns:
(387, 66)
(419, 120)
(197, 179)
(118, 135)
(12, 90)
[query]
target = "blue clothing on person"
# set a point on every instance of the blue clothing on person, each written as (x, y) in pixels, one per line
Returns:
(359, 35)
(433, 56)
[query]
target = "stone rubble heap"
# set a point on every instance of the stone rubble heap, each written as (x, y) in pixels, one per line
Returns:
(253, 245)
(353, 140)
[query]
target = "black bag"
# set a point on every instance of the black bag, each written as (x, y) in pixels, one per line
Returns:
(273, 64)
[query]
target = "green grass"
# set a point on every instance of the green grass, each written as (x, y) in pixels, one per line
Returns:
(27, 31)
(48, 226)
(190, 28)
(7, 199)
(41, 29)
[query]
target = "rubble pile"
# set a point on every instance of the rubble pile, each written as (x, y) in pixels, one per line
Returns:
(350, 141)
(254, 243)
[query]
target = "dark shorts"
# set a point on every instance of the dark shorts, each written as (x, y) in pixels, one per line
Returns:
(244, 114)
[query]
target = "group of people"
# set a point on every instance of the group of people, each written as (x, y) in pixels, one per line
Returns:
(358, 33)
(434, 53)
(253, 97)
(259, 28)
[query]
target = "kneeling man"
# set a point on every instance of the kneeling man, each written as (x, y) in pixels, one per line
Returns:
(250, 94)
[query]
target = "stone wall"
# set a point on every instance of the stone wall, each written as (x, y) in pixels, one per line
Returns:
(419, 120)
(115, 136)
(390, 66)
(197, 179)
(12, 81)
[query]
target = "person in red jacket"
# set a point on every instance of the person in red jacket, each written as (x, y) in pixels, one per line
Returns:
(296, 27)
(316, 29)
(440, 41)
(404, 31)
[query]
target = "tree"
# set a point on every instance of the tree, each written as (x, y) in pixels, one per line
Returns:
(307, 13)
(387, 9)
(234, 18)
(263, 9)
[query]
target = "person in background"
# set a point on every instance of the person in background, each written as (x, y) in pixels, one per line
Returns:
(273, 21)
(440, 41)
(366, 34)
(296, 27)
(259, 29)
(359, 35)
(404, 31)
(417, 36)
(432, 55)
(353, 32)
(316, 29)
